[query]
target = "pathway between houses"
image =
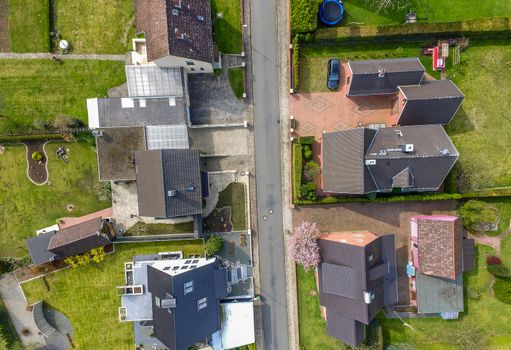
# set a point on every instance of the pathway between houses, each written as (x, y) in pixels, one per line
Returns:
(49, 56)
(14, 301)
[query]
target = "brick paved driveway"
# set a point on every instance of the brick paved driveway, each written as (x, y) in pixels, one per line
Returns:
(379, 218)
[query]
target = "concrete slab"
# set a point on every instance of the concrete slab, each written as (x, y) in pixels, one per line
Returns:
(220, 141)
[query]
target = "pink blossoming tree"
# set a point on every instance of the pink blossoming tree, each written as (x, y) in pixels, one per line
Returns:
(304, 248)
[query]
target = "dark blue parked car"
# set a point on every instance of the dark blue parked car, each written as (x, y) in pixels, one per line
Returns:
(334, 71)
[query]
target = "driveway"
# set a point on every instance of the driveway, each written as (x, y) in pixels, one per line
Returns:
(14, 301)
(220, 141)
(212, 100)
(379, 218)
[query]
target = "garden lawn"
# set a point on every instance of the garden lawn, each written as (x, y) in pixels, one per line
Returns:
(503, 205)
(100, 26)
(44, 89)
(237, 81)
(143, 229)
(27, 207)
(234, 196)
(227, 29)
(481, 130)
(29, 25)
(88, 297)
(312, 327)
(490, 316)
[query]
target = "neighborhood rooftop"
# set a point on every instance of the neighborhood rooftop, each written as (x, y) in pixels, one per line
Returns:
(169, 183)
(180, 28)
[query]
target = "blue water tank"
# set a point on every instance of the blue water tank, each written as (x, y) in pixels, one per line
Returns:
(331, 12)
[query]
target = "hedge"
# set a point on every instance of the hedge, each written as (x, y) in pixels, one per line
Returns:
(502, 289)
(304, 16)
(296, 63)
(21, 138)
(297, 170)
(475, 26)
(498, 270)
(306, 140)
(395, 198)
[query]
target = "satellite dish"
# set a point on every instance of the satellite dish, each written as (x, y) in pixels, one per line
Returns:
(63, 44)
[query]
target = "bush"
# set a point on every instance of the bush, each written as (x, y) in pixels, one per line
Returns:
(21, 138)
(296, 63)
(493, 260)
(37, 156)
(85, 136)
(304, 16)
(382, 199)
(306, 140)
(297, 170)
(41, 124)
(502, 290)
(311, 170)
(473, 293)
(477, 212)
(307, 152)
(498, 271)
(213, 245)
(306, 188)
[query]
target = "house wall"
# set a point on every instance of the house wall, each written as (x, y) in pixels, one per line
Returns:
(174, 61)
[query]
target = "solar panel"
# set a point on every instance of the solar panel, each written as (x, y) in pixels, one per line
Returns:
(167, 137)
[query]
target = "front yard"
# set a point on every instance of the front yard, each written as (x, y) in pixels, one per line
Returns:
(27, 207)
(40, 90)
(88, 297)
(227, 25)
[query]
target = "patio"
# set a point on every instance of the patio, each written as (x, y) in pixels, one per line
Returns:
(334, 111)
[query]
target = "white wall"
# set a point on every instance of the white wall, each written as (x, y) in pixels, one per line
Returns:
(174, 61)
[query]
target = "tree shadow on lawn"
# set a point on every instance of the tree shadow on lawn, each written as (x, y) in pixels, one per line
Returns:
(460, 124)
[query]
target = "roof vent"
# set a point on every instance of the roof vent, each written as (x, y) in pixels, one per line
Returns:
(399, 133)
(200, 18)
(407, 148)
(445, 152)
(175, 12)
(370, 161)
(190, 188)
(171, 193)
(381, 73)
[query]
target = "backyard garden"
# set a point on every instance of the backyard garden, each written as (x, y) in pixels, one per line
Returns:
(88, 297)
(27, 207)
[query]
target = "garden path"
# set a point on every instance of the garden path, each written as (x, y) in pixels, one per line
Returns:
(47, 55)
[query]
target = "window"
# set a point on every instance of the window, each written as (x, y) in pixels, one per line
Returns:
(195, 262)
(166, 268)
(190, 63)
(192, 69)
(201, 68)
(188, 261)
(193, 266)
(184, 267)
(157, 301)
(202, 303)
(188, 287)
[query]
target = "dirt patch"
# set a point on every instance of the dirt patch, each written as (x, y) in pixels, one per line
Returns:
(4, 26)
(36, 169)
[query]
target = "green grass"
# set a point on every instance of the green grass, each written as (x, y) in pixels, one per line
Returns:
(88, 297)
(8, 337)
(42, 89)
(312, 327)
(101, 26)
(237, 81)
(143, 229)
(503, 205)
(29, 25)
(481, 129)
(234, 196)
(27, 207)
(227, 30)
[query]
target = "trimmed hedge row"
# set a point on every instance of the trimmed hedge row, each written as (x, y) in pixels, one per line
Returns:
(391, 198)
(304, 16)
(21, 138)
(468, 27)
(297, 170)
(296, 63)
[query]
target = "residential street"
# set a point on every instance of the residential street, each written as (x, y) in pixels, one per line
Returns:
(268, 173)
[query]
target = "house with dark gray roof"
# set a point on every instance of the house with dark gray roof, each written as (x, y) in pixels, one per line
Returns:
(431, 102)
(406, 159)
(70, 241)
(357, 277)
(168, 183)
(439, 255)
(380, 77)
(178, 33)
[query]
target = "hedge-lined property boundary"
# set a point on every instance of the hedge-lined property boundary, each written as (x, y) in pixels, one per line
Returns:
(36, 137)
(297, 170)
(296, 63)
(474, 27)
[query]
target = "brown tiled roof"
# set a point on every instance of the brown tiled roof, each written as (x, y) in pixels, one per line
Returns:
(440, 247)
(180, 28)
(75, 233)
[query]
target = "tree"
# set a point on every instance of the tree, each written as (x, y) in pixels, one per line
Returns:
(304, 248)
(477, 212)
(213, 245)
(37, 156)
(311, 170)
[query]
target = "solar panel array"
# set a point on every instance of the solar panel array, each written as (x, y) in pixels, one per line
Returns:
(153, 81)
(167, 137)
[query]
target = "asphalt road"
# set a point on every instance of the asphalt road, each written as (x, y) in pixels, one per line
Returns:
(268, 172)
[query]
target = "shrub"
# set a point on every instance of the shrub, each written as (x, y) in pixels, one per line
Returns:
(498, 270)
(502, 290)
(473, 293)
(303, 247)
(21, 138)
(477, 212)
(311, 170)
(493, 260)
(41, 124)
(306, 140)
(37, 156)
(85, 136)
(306, 188)
(307, 152)
(213, 245)
(297, 170)
(304, 16)
(296, 63)
(97, 254)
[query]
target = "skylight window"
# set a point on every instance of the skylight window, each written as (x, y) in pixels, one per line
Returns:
(188, 287)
